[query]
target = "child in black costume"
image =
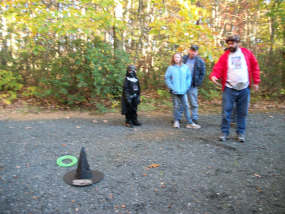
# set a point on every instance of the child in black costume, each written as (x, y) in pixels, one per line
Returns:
(131, 97)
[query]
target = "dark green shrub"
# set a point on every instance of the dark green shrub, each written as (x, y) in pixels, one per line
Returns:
(9, 86)
(82, 73)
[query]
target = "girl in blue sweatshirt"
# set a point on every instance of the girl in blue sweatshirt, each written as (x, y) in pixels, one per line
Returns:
(178, 79)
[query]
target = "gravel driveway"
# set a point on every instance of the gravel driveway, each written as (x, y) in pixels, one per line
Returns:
(153, 169)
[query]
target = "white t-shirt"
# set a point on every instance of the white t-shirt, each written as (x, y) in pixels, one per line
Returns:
(237, 77)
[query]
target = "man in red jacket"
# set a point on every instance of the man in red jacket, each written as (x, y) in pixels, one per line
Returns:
(237, 68)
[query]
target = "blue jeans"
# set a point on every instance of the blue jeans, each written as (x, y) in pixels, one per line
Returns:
(193, 97)
(241, 99)
(234, 114)
(181, 101)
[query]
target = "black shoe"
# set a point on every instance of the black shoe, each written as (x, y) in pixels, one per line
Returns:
(137, 123)
(129, 124)
(223, 137)
(241, 138)
(195, 121)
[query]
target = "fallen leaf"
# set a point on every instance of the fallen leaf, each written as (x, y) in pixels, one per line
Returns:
(259, 189)
(72, 201)
(63, 144)
(154, 165)
(144, 174)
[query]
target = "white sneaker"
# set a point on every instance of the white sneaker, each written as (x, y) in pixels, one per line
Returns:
(176, 124)
(193, 126)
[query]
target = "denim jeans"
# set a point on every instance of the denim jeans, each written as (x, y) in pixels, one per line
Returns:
(234, 114)
(181, 101)
(241, 99)
(193, 97)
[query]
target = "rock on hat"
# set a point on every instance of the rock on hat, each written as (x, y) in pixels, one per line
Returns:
(194, 47)
(83, 176)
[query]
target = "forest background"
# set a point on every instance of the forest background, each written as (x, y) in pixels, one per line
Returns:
(70, 53)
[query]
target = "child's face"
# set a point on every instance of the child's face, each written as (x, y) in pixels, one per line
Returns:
(177, 58)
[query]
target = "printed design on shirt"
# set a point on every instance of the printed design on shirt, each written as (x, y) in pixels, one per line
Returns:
(236, 62)
(135, 87)
(132, 79)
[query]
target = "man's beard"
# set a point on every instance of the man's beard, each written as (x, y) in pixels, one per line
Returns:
(233, 49)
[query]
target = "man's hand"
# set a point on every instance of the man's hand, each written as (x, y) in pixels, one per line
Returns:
(255, 87)
(216, 81)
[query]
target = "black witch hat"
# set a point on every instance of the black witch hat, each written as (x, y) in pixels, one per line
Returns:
(83, 176)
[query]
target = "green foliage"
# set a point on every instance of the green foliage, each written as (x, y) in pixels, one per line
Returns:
(147, 104)
(30, 91)
(272, 72)
(88, 71)
(9, 81)
(9, 85)
(101, 108)
(163, 94)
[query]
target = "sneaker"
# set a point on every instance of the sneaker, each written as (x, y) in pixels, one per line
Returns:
(176, 124)
(193, 126)
(241, 138)
(223, 137)
(195, 121)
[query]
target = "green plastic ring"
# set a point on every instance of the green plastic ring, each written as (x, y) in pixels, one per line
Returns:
(62, 158)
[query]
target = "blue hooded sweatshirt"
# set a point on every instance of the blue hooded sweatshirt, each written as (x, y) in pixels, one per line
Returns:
(178, 78)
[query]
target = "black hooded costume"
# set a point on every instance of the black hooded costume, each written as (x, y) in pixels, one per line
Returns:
(131, 96)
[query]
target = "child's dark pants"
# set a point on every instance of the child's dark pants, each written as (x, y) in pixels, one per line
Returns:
(131, 112)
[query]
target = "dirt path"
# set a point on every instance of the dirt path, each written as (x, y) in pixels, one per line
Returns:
(196, 173)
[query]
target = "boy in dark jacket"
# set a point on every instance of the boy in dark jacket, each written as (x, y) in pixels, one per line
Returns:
(131, 97)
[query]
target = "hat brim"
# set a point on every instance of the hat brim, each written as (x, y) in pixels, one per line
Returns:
(70, 176)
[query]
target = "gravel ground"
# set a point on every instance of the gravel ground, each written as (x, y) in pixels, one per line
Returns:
(196, 173)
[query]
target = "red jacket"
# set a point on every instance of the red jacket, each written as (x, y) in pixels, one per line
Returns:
(221, 67)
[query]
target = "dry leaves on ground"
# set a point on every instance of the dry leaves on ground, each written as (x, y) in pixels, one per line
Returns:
(154, 165)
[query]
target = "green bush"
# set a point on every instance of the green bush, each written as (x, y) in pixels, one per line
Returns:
(83, 73)
(9, 86)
